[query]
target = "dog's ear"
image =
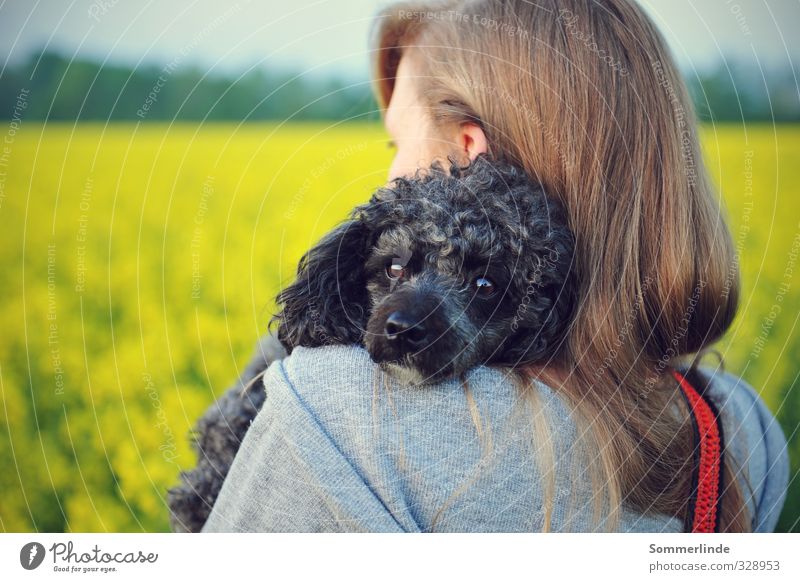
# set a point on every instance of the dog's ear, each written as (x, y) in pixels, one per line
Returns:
(327, 303)
(541, 325)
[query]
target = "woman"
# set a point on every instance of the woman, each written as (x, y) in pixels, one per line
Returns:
(584, 96)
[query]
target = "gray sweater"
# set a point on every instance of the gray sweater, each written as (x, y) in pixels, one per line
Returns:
(335, 448)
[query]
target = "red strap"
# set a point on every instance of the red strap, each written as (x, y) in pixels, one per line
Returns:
(708, 481)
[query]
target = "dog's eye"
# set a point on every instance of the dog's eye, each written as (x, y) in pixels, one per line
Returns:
(395, 271)
(484, 287)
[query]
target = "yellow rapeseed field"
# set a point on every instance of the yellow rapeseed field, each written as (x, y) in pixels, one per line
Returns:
(139, 265)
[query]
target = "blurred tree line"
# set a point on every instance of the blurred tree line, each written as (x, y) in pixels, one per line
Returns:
(737, 92)
(58, 88)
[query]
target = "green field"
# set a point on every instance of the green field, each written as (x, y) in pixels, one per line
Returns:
(139, 264)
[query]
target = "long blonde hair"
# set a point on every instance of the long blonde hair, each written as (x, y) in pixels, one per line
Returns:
(584, 96)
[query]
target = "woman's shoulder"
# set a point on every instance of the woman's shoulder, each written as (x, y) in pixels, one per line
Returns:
(417, 445)
(755, 439)
(343, 382)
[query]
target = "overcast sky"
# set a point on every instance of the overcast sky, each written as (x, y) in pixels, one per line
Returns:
(331, 35)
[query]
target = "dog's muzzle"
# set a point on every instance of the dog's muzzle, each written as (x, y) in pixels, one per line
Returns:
(406, 326)
(416, 333)
(406, 331)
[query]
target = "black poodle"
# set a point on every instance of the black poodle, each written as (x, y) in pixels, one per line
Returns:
(434, 275)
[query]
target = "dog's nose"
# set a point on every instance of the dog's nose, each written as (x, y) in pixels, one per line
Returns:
(402, 328)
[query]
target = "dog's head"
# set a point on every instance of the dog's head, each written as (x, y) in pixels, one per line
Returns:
(439, 273)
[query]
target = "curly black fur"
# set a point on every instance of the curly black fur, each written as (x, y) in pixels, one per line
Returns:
(434, 275)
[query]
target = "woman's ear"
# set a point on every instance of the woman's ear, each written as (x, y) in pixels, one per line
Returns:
(327, 303)
(471, 140)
